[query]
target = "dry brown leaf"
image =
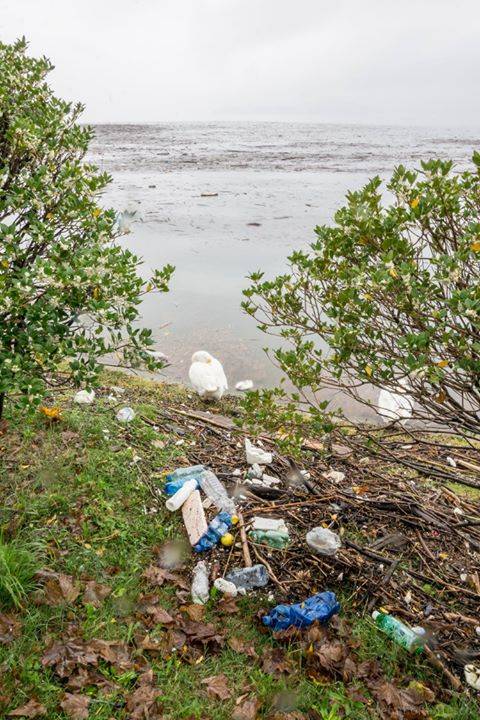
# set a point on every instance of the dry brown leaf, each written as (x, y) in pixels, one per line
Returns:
(246, 709)
(95, 593)
(275, 662)
(142, 703)
(31, 709)
(240, 646)
(217, 687)
(9, 629)
(158, 615)
(57, 589)
(194, 611)
(156, 576)
(75, 706)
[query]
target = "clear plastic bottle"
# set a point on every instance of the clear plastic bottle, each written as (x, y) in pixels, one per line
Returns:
(274, 538)
(213, 488)
(218, 527)
(200, 589)
(403, 635)
(249, 577)
(178, 478)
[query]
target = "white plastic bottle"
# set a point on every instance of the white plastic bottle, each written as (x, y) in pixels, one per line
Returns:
(200, 589)
(176, 501)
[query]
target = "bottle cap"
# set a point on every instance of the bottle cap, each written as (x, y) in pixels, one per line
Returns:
(375, 614)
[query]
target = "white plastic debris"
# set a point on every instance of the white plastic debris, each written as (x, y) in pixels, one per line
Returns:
(270, 480)
(244, 385)
(262, 523)
(118, 390)
(125, 415)
(176, 501)
(256, 455)
(323, 541)
(477, 630)
(157, 355)
(83, 397)
(200, 589)
(237, 472)
(472, 675)
(451, 461)
(256, 471)
(334, 476)
(226, 587)
(214, 489)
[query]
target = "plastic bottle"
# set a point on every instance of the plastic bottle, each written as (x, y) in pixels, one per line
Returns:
(219, 526)
(178, 478)
(200, 589)
(226, 587)
(403, 635)
(249, 577)
(176, 501)
(274, 538)
(319, 607)
(213, 488)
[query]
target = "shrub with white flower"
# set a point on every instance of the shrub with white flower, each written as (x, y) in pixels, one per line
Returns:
(69, 294)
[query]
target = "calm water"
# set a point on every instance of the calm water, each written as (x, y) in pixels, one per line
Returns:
(285, 177)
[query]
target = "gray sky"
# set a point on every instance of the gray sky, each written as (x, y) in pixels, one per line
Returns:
(367, 61)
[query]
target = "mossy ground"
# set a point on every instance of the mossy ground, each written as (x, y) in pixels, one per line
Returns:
(75, 491)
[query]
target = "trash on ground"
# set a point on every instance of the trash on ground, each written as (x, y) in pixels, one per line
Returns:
(334, 476)
(226, 587)
(319, 607)
(244, 385)
(176, 501)
(84, 397)
(472, 675)
(219, 526)
(255, 471)
(263, 523)
(213, 488)
(256, 455)
(176, 481)
(248, 578)
(270, 480)
(323, 541)
(125, 415)
(409, 638)
(200, 588)
(194, 517)
(274, 538)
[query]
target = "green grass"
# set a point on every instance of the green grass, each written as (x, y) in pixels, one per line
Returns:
(75, 491)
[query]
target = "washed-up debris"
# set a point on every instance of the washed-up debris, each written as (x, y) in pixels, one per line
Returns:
(200, 589)
(255, 472)
(217, 528)
(209, 194)
(125, 415)
(270, 480)
(268, 523)
(256, 455)
(177, 479)
(176, 501)
(157, 355)
(244, 385)
(84, 397)
(248, 578)
(213, 488)
(409, 638)
(226, 587)
(319, 607)
(334, 476)
(323, 541)
(472, 675)
(274, 538)
(194, 518)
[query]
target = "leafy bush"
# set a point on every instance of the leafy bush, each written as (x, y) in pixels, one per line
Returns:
(389, 297)
(17, 567)
(68, 292)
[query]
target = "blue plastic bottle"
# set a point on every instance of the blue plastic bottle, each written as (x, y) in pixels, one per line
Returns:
(319, 607)
(220, 525)
(177, 479)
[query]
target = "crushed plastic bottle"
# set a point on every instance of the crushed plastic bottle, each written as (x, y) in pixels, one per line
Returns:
(213, 488)
(248, 578)
(178, 478)
(200, 589)
(125, 415)
(323, 541)
(226, 587)
(274, 538)
(409, 638)
(219, 526)
(319, 607)
(84, 397)
(176, 501)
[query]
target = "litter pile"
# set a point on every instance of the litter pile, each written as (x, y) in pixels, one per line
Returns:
(397, 545)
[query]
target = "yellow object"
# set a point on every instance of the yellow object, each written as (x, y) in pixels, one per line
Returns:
(475, 246)
(415, 202)
(54, 413)
(368, 370)
(227, 540)
(96, 212)
(393, 273)
(442, 363)
(235, 519)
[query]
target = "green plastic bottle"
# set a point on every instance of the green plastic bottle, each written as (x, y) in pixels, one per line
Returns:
(403, 635)
(274, 538)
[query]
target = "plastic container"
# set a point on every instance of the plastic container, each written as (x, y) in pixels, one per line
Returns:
(274, 538)
(226, 587)
(220, 525)
(182, 472)
(323, 541)
(213, 488)
(319, 607)
(125, 415)
(200, 589)
(176, 501)
(175, 482)
(248, 578)
(407, 637)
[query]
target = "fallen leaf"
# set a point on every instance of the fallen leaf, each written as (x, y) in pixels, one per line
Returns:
(240, 646)
(275, 662)
(95, 593)
(31, 709)
(9, 628)
(156, 576)
(217, 686)
(57, 588)
(247, 709)
(141, 704)
(194, 611)
(75, 706)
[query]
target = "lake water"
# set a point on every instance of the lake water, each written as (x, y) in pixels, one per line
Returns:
(284, 177)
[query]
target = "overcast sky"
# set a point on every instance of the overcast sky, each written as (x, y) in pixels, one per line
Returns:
(367, 61)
